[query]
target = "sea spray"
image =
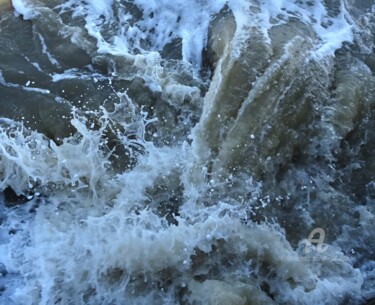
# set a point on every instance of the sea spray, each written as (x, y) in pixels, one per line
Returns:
(187, 153)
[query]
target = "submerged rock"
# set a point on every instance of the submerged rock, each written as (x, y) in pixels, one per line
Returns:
(135, 207)
(270, 98)
(12, 199)
(296, 121)
(5, 5)
(256, 100)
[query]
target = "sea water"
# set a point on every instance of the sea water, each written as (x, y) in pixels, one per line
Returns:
(187, 152)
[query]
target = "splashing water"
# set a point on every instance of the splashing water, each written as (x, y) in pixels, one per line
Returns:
(194, 152)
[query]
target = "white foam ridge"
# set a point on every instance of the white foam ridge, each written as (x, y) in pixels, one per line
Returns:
(156, 231)
(331, 31)
(163, 21)
(96, 240)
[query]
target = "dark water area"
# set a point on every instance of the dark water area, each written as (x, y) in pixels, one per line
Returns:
(194, 152)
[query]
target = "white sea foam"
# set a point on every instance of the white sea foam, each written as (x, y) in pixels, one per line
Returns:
(45, 51)
(188, 20)
(161, 23)
(26, 87)
(331, 31)
(101, 237)
(96, 239)
(74, 73)
(23, 8)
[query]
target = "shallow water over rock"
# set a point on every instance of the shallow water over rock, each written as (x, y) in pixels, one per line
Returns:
(215, 152)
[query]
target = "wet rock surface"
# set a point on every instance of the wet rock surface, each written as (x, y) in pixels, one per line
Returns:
(160, 177)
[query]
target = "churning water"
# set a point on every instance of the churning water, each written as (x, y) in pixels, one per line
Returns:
(187, 152)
